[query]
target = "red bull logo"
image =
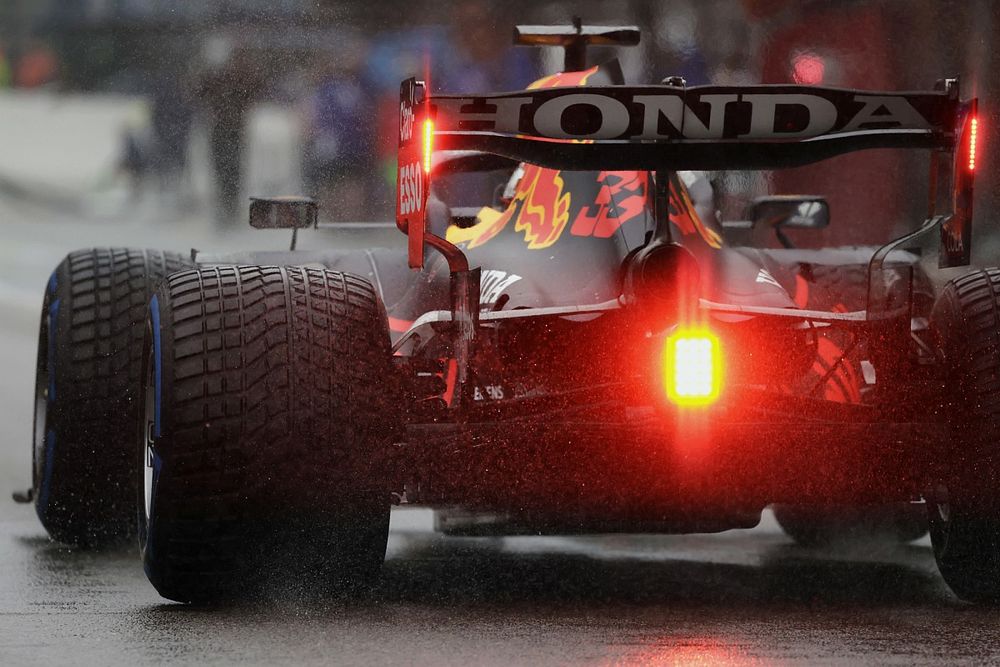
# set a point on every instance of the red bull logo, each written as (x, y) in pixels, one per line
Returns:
(544, 208)
(540, 206)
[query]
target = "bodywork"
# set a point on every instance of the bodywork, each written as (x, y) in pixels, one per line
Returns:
(536, 393)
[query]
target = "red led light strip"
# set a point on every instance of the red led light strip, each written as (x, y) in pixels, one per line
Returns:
(428, 145)
(973, 132)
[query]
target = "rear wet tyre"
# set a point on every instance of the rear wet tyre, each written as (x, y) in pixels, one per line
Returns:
(964, 505)
(270, 410)
(845, 287)
(87, 386)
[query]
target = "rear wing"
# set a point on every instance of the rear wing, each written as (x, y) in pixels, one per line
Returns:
(669, 128)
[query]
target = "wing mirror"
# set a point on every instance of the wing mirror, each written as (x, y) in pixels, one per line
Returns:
(789, 212)
(779, 212)
(283, 212)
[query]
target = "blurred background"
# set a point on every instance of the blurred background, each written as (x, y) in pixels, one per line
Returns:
(174, 110)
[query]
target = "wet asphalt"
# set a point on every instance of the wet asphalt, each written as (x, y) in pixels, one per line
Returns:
(741, 597)
(730, 599)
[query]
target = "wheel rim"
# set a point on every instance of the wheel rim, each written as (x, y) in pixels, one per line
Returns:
(149, 420)
(43, 381)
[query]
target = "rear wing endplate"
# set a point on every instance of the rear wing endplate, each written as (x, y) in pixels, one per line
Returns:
(413, 170)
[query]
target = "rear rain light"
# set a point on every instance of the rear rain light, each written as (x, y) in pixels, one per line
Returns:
(692, 367)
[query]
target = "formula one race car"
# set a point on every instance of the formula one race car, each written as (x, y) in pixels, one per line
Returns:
(588, 351)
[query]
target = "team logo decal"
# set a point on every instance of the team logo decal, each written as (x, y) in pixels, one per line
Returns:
(540, 208)
(544, 211)
(643, 113)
